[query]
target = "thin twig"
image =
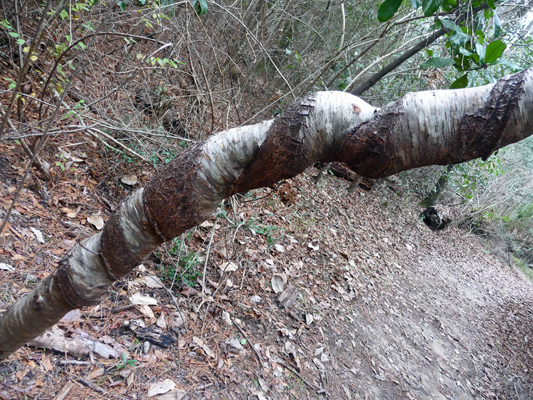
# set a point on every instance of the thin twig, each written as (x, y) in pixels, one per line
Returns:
(322, 390)
(205, 264)
(259, 358)
(24, 69)
(100, 390)
(97, 132)
(28, 151)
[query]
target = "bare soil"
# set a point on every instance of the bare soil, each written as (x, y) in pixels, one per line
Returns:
(384, 307)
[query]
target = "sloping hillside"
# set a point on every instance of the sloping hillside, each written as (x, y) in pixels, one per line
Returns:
(382, 307)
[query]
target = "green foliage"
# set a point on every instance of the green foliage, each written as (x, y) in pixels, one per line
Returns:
(124, 363)
(494, 51)
(430, 7)
(460, 82)
(387, 9)
(437, 62)
(524, 267)
(470, 177)
(268, 231)
(187, 268)
(200, 6)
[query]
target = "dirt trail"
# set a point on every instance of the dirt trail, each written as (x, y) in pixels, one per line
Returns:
(386, 308)
(432, 318)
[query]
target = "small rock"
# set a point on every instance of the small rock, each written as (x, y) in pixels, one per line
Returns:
(146, 347)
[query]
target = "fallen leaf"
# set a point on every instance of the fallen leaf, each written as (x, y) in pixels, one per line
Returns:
(188, 291)
(175, 394)
(146, 311)
(161, 387)
(161, 321)
(38, 234)
(228, 266)
(204, 347)
(319, 365)
(45, 362)
(279, 248)
(96, 220)
(130, 378)
(153, 282)
(277, 283)
(235, 343)
(95, 373)
(179, 319)
(6, 267)
(138, 298)
(71, 316)
(226, 318)
(129, 180)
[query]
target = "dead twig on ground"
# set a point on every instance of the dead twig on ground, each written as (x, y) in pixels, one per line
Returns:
(205, 264)
(319, 390)
(259, 358)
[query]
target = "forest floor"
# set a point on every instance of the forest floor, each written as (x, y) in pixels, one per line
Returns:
(373, 304)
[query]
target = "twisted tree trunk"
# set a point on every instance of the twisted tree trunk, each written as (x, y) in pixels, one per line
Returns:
(436, 127)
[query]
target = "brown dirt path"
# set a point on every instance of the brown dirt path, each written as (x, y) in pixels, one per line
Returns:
(386, 309)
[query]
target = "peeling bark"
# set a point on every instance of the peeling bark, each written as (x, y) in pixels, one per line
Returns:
(437, 127)
(441, 127)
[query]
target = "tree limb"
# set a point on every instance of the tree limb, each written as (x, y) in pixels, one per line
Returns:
(434, 127)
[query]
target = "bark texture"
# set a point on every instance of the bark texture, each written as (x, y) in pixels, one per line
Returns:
(438, 127)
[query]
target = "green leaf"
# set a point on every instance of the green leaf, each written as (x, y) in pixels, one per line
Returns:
(494, 51)
(200, 6)
(460, 83)
(497, 25)
(514, 66)
(416, 4)
(437, 62)
(430, 7)
(449, 5)
(491, 4)
(13, 34)
(387, 9)
(450, 25)
(462, 63)
(21, 41)
(464, 52)
(430, 52)
(481, 51)
(458, 38)
(122, 5)
(63, 14)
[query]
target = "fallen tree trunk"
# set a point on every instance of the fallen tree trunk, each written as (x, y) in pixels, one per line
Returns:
(436, 127)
